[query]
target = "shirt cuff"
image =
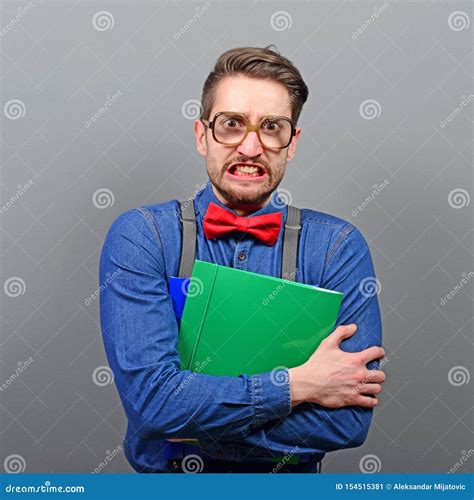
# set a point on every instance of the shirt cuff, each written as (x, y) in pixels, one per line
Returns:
(271, 395)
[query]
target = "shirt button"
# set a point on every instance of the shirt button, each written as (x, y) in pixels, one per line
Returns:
(242, 256)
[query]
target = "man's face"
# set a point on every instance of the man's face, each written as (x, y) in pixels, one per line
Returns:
(254, 98)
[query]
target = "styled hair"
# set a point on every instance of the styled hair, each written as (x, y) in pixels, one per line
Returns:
(256, 62)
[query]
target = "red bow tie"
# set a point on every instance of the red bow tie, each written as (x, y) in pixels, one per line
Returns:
(218, 221)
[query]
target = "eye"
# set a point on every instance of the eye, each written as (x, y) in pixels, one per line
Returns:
(232, 123)
(271, 125)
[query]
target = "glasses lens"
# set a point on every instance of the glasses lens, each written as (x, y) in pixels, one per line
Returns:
(229, 129)
(274, 132)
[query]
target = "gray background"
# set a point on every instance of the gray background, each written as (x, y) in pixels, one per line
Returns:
(56, 415)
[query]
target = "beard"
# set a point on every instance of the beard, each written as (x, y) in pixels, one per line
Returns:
(251, 196)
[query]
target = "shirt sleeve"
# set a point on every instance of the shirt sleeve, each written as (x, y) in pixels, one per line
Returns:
(140, 334)
(310, 427)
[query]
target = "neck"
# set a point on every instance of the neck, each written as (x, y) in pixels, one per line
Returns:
(241, 209)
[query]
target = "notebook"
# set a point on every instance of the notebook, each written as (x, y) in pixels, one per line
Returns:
(239, 322)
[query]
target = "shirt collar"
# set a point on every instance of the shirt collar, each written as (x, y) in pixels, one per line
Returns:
(206, 196)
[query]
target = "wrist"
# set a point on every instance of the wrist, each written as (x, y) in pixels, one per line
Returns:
(297, 385)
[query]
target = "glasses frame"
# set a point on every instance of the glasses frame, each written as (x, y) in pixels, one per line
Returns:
(250, 128)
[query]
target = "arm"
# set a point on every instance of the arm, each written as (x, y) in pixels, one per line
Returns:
(140, 334)
(312, 427)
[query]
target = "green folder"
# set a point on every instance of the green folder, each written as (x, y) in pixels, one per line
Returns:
(238, 322)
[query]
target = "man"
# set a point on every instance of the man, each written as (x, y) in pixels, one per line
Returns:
(247, 133)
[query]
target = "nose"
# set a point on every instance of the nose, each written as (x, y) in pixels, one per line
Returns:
(251, 146)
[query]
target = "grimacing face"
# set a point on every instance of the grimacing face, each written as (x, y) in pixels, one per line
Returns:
(254, 98)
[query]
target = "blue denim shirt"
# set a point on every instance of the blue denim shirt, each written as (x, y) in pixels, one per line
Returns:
(234, 418)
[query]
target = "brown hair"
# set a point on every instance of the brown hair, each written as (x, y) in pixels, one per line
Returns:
(256, 62)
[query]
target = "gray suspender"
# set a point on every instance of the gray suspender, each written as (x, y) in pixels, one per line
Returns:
(290, 241)
(188, 240)
(290, 244)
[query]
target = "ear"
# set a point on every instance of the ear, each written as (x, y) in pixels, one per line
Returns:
(293, 143)
(200, 133)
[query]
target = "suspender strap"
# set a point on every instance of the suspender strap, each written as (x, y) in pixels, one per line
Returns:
(188, 240)
(290, 243)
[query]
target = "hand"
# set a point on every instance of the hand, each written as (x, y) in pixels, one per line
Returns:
(334, 378)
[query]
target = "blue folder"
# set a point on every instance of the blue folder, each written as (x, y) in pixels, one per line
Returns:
(178, 290)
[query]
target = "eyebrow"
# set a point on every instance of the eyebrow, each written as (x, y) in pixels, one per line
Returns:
(258, 117)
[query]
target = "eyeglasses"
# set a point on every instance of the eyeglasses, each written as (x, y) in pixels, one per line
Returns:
(231, 129)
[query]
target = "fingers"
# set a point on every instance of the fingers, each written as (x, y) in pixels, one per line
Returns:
(342, 332)
(375, 376)
(370, 389)
(374, 352)
(366, 401)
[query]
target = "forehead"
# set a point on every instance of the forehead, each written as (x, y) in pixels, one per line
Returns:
(253, 97)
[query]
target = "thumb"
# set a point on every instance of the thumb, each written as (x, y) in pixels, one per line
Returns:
(342, 332)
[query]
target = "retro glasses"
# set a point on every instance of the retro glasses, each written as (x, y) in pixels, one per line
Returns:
(231, 129)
